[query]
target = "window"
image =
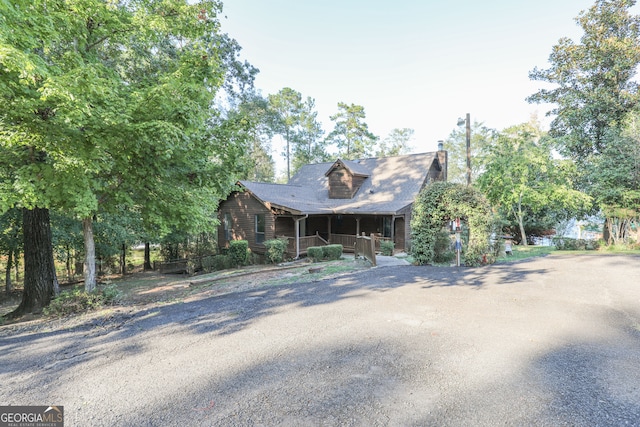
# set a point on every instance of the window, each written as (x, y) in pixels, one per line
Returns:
(228, 225)
(259, 228)
(386, 226)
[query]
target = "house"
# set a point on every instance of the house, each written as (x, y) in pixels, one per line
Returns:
(332, 203)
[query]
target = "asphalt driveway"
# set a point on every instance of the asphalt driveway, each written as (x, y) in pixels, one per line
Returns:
(549, 342)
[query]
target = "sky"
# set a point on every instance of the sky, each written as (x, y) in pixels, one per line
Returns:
(410, 63)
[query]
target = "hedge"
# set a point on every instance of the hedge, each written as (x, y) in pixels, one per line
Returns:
(315, 253)
(328, 252)
(276, 248)
(239, 252)
(332, 252)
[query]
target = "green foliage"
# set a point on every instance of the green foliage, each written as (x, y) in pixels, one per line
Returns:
(386, 247)
(108, 104)
(216, 262)
(239, 252)
(442, 250)
(79, 301)
(315, 253)
(351, 133)
(435, 206)
(482, 138)
(594, 79)
(396, 143)
(324, 253)
(522, 177)
(297, 121)
(570, 244)
(332, 252)
(276, 249)
(614, 180)
(255, 126)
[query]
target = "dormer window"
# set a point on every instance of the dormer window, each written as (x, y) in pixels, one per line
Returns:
(345, 179)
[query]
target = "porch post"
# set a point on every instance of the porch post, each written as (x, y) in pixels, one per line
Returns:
(297, 228)
(393, 229)
(329, 228)
(297, 231)
(357, 226)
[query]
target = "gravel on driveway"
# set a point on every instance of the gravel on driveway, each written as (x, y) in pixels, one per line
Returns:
(553, 341)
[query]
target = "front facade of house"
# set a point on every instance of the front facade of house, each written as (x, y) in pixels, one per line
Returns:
(332, 203)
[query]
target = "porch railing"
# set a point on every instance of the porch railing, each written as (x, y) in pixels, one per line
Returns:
(305, 243)
(348, 241)
(365, 247)
(377, 240)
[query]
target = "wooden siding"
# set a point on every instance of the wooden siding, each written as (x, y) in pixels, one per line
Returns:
(342, 184)
(243, 208)
(406, 212)
(399, 234)
(285, 226)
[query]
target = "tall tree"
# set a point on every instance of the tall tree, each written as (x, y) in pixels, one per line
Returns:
(106, 104)
(594, 79)
(287, 106)
(255, 121)
(309, 146)
(614, 178)
(522, 177)
(351, 133)
(397, 142)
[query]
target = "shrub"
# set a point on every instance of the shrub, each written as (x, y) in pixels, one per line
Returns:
(221, 262)
(386, 247)
(276, 249)
(332, 252)
(239, 252)
(315, 253)
(77, 301)
(571, 244)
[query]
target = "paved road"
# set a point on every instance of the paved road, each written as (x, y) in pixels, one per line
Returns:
(549, 342)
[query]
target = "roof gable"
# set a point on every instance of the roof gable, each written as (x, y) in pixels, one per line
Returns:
(352, 167)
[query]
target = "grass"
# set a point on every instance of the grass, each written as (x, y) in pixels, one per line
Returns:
(524, 252)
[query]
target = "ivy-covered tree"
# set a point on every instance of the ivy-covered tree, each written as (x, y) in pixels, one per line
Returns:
(438, 204)
(351, 133)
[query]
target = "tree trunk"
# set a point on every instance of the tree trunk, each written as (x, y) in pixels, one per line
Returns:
(89, 255)
(39, 270)
(8, 282)
(123, 260)
(147, 257)
(522, 232)
(68, 263)
(520, 216)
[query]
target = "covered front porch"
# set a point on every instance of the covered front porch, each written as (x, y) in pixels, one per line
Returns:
(305, 231)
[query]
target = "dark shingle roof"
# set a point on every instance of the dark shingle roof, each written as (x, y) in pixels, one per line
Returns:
(392, 184)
